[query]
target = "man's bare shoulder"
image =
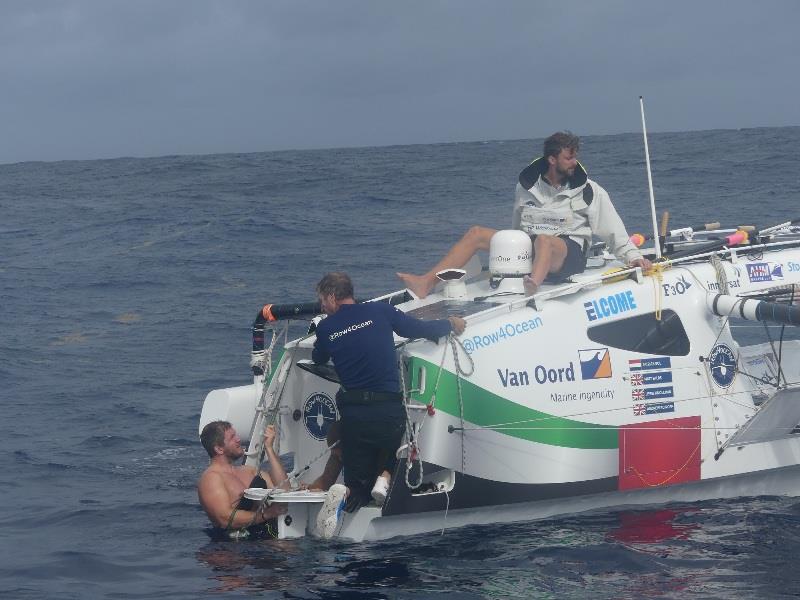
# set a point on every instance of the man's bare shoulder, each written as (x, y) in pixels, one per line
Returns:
(212, 476)
(209, 477)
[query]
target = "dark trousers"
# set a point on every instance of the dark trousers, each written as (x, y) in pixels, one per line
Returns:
(371, 435)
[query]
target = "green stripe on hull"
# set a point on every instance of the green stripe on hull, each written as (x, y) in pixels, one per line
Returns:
(482, 408)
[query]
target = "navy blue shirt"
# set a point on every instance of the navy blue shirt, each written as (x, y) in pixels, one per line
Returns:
(359, 339)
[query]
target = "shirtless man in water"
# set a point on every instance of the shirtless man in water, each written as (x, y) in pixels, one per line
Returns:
(222, 484)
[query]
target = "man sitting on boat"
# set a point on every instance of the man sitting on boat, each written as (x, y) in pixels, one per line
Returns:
(560, 208)
(359, 338)
(222, 484)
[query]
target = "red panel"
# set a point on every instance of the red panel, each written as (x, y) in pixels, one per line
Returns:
(659, 453)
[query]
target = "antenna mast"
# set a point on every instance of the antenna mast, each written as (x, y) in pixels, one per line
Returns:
(656, 240)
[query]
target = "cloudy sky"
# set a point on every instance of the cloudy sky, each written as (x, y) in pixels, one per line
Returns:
(108, 78)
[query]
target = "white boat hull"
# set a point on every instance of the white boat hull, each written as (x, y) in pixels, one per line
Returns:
(592, 395)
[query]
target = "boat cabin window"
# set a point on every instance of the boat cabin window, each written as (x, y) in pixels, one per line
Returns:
(644, 334)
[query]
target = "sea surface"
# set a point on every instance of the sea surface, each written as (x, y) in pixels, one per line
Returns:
(128, 287)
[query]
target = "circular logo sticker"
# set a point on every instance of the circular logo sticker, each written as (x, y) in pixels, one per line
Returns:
(723, 365)
(319, 412)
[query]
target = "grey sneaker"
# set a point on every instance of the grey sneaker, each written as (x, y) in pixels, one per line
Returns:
(380, 490)
(331, 510)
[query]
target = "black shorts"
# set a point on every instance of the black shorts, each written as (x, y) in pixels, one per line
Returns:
(575, 261)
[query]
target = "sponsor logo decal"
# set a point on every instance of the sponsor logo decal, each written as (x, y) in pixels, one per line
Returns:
(350, 329)
(649, 364)
(764, 271)
(793, 266)
(676, 288)
(540, 374)
(608, 306)
(583, 396)
(651, 378)
(722, 362)
(647, 376)
(319, 412)
(501, 334)
(595, 363)
(653, 408)
(713, 286)
(640, 394)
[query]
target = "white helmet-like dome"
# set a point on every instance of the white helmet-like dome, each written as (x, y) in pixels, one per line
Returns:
(510, 253)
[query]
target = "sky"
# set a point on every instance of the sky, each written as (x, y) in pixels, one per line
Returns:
(85, 79)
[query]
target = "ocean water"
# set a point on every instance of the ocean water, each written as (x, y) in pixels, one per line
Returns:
(128, 288)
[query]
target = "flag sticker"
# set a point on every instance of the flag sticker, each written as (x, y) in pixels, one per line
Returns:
(653, 408)
(647, 376)
(649, 364)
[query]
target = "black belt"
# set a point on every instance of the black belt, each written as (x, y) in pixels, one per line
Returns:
(366, 396)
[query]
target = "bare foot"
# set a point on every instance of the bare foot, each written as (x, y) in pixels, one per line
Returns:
(530, 286)
(419, 284)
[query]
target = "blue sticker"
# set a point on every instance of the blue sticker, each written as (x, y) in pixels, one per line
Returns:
(653, 408)
(648, 364)
(651, 378)
(640, 394)
(764, 271)
(723, 365)
(319, 412)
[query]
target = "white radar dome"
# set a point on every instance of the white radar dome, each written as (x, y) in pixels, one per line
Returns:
(510, 253)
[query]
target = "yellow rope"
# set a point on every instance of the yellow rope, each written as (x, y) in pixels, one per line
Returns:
(675, 474)
(657, 272)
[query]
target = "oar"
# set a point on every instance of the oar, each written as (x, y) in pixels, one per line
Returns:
(734, 239)
(775, 228)
(639, 239)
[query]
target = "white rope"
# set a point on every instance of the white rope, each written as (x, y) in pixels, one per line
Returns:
(268, 415)
(411, 446)
(263, 358)
(722, 277)
(413, 451)
(293, 476)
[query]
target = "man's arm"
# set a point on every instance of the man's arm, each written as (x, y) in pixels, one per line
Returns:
(277, 475)
(411, 327)
(320, 354)
(214, 499)
(606, 223)
(519, 199)
(329, 475)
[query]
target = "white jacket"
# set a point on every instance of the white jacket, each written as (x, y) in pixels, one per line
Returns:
(579, 211)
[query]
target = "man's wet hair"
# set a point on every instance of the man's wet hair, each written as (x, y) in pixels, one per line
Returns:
(336, 283)
(213, 435)
(559, 141)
